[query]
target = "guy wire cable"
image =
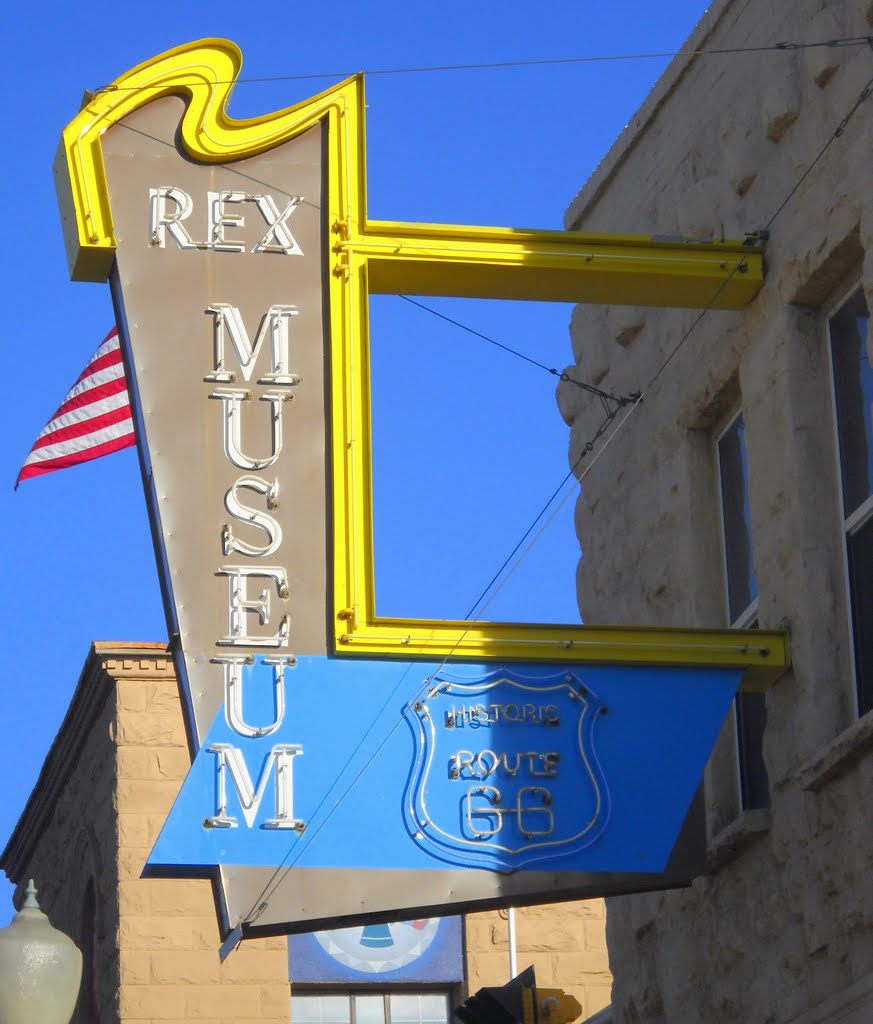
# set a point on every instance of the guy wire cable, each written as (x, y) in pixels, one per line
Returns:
(561, 375)
(275, 881)
(263, 899)
(282, 869)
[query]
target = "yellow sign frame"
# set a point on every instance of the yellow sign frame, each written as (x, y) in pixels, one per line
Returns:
(423, 259)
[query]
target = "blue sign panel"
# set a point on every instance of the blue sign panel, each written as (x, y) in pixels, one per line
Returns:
(426, 951)
(324, 763)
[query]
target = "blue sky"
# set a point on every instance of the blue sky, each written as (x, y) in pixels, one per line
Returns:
(469, 441)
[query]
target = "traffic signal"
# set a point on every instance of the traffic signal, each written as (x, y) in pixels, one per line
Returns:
(555, 1006)
(519, 1002)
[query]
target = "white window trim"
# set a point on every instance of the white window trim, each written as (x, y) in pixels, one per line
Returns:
(861, 516)
(750, 612)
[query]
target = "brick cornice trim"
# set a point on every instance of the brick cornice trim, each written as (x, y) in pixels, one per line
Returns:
(124, 660)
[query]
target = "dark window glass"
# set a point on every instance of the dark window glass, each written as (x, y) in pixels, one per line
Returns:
(734, 476)
(751, 711)
(751, 719)
(860, 551)
(853, 387)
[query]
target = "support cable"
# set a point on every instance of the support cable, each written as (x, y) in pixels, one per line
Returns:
(605, 396)
(281, 871)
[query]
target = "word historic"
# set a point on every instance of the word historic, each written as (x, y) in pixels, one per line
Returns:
(488, 810)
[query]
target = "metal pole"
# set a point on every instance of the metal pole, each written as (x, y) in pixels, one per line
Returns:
(513, 961)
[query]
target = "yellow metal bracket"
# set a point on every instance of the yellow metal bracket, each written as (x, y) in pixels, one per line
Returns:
(424, 259)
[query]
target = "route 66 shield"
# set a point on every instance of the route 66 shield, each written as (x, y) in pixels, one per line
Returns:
(506, 773)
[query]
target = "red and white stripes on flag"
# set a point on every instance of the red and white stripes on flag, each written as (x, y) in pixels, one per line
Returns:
(94, 420)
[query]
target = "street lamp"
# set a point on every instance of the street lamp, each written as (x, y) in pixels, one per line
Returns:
(40, 969)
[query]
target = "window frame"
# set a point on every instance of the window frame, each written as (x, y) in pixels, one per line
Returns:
(750, 612)
(852, 524)
(746, 619)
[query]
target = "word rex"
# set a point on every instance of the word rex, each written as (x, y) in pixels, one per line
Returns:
(349, 764)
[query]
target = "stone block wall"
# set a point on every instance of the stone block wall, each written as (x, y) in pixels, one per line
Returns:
(565, 943)
(782, 925)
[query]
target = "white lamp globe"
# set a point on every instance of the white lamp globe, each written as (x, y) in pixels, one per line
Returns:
(40, 969)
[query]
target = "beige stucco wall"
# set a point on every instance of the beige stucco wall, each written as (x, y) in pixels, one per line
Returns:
(108, 783)
(781, 928)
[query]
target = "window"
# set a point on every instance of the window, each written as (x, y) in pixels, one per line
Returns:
(400, 1007)
(402, 972)
(733, 478)
(853, 403)
(750, 709)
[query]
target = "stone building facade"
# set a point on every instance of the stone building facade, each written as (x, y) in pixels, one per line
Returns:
(150, 946)
(739, 491)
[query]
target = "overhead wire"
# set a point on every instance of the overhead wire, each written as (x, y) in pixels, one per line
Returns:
(606, 396)
(784, 46)
(283, 868)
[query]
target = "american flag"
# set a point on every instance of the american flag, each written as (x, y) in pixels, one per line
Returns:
(94, 419)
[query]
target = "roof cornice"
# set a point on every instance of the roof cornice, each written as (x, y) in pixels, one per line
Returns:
(106, 662)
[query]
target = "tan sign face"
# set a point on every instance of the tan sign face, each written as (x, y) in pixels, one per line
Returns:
(219, 269)
(219, 277)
